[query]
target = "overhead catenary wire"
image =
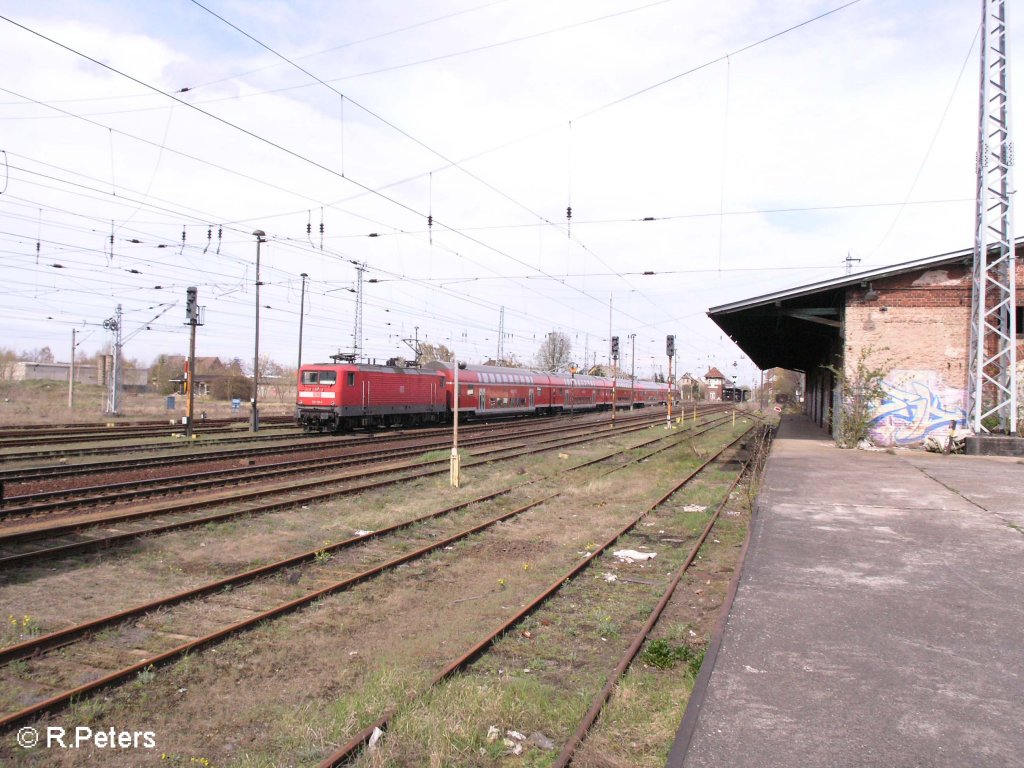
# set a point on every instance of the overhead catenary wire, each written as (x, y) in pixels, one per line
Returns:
(397, 231)
(262, 139)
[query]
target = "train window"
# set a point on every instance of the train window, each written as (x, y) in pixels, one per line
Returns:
(351, 378)
(318, 377)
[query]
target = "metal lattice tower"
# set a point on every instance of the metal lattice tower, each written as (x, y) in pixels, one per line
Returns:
(501, 337)
(992, 382)
(113, 324)
(357, 332)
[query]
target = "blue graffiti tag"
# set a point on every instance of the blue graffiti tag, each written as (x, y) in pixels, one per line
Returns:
(911, 415)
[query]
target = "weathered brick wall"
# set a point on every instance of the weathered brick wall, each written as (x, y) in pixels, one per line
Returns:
(918, 331)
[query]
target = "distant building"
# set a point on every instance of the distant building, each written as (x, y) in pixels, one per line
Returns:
(90, 373)
(690, 387)
(714, 379)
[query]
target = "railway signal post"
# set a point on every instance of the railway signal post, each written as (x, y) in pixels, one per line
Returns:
(615, 374)
(191, 319)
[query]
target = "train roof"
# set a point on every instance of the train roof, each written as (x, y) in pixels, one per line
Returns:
(496, 373)
(507, 370)
(370, 367)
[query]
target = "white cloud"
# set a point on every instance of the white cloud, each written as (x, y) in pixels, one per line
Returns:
(838, 114)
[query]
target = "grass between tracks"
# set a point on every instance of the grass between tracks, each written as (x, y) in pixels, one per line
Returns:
(540, 677)
(284, 693)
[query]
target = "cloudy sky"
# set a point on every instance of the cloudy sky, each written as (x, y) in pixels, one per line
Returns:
(710, 152)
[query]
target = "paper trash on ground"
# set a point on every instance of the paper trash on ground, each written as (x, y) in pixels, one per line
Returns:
(632, 556)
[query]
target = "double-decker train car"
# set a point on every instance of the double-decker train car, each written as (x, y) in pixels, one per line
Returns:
(493, 391)
(338, 397)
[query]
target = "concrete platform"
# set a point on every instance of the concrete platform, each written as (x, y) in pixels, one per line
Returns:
(879, 618)
(995, 445)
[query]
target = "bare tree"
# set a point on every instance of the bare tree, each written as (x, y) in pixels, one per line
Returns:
(44, 355)
(555, 352)
(431, 352)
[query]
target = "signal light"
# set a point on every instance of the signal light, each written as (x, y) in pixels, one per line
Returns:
(670, 345)
(192, 303)
(615, 347)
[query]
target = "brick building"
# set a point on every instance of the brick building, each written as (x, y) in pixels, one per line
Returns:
(910, 320)
(714, 381)
(691, 387)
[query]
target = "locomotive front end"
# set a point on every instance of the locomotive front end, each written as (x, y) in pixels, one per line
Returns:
(318, 405)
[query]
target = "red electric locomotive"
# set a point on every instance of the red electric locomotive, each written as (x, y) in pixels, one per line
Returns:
(336, 397)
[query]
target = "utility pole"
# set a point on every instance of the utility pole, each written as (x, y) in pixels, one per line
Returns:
(254, 426)
(572, 390)
(992, 381)
(357, 333)
(113, 324)
(454, 462)
(632, 375)
(670, 350)
(302, 316)
(501, 337)
(611, 354)
(71, 372)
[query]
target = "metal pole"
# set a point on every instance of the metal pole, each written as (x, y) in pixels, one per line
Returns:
(615, 381)
(71, 372)
(454, 468)
(255, 425)
(302, 314)
(668, 418)
(115, 406)
(632, 375)
(572, 392)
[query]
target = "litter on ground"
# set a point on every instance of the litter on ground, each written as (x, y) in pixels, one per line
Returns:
(632, 556)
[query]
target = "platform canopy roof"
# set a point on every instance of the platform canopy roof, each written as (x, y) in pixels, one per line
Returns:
(796, 328)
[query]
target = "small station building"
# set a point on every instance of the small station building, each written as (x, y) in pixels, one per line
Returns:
(911, 320)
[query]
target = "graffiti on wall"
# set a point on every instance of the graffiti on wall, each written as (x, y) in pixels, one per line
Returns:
(916, 405)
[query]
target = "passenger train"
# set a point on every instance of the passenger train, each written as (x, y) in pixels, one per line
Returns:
(338, 397)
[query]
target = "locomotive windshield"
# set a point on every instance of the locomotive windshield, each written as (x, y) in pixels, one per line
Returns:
(319, 377)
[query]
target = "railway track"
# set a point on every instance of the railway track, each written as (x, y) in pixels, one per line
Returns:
(29, 467)
(33, 504)
(16, 437)
(18, 545)
(348, 750)
(322, 566)
(205, 452)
